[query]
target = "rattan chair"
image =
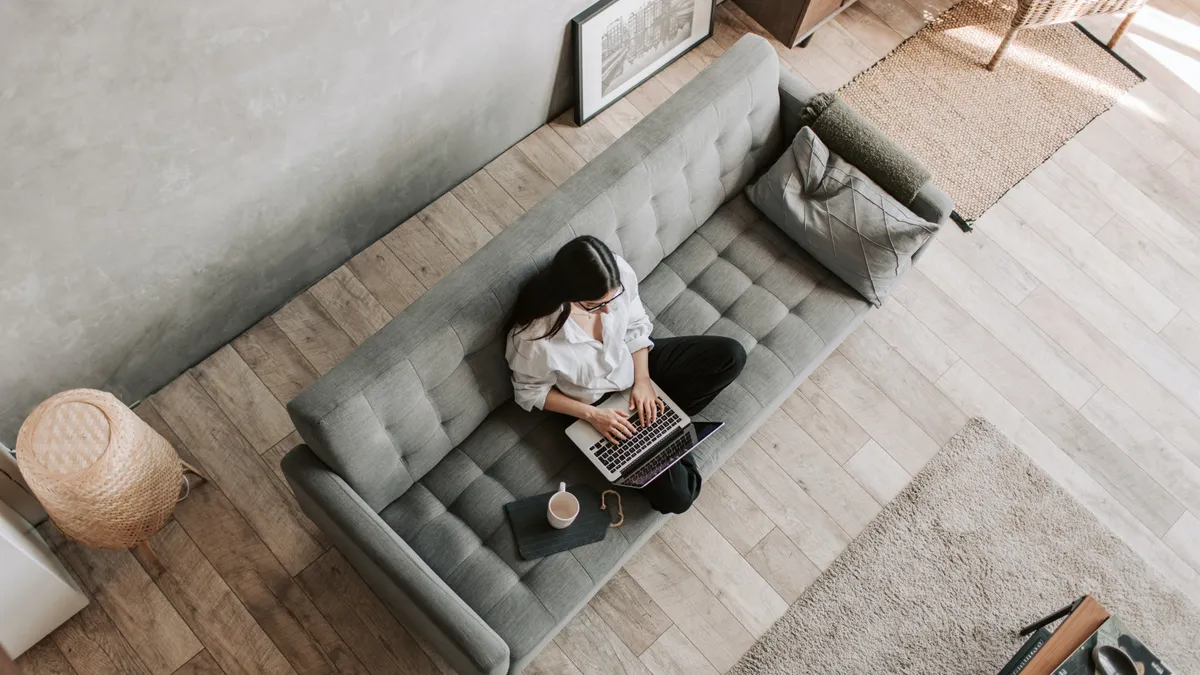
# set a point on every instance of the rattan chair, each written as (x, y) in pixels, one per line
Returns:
(1036, 13)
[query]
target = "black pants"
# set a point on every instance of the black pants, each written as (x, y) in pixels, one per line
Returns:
(692, 371)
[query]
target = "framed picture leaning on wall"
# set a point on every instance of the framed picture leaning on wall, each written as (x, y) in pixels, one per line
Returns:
(621, 43)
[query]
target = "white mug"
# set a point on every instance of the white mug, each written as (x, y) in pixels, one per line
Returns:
(562, 509)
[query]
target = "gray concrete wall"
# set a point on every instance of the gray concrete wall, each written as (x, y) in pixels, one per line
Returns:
(171, 172)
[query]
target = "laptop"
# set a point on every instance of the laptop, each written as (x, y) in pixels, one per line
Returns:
(653, 449)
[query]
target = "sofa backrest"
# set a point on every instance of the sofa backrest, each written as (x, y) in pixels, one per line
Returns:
(396, 406)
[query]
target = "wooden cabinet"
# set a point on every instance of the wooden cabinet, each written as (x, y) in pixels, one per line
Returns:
(792, 21)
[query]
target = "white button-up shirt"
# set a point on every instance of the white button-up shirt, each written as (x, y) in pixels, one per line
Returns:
(581, 367)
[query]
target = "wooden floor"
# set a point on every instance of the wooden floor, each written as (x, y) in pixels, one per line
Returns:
(1070, 318)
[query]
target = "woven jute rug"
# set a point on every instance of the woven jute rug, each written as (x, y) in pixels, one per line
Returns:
(981, 132)
(981, 543)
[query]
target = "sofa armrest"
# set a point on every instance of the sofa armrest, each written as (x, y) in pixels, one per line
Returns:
(794, 94)
(932, 203)
(400, 577)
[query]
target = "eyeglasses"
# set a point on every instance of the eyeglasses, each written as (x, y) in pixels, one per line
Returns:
(596, 308)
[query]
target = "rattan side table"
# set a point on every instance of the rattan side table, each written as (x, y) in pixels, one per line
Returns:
(105, 477)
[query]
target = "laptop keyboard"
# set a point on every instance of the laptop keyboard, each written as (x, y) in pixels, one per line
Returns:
(646, 472)
(615, 457)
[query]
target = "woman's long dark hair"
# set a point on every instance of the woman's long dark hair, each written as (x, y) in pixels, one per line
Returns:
(584, 269)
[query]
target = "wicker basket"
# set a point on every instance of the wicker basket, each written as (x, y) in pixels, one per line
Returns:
(106, 478)
(1035, 13)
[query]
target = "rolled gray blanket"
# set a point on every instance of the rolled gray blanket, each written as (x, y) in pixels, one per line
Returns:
(859, 142)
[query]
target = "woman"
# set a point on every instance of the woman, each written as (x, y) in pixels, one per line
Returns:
(579, 332)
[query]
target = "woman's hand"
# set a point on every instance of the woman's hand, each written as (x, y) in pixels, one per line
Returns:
(647, 404)
(611, 423)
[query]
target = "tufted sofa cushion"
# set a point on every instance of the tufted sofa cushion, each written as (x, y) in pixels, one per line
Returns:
(737, 276)
(399, 404)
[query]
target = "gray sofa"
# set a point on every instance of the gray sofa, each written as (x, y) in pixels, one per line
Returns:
(414, 444)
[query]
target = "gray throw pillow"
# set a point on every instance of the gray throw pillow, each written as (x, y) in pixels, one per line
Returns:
(842, 218)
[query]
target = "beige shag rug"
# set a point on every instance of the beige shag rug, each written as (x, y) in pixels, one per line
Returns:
(981, 543)
(981, 132)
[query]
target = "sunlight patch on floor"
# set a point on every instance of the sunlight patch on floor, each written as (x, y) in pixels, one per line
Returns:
(1019, 55)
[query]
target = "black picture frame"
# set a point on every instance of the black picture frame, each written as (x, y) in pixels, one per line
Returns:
(590, 14)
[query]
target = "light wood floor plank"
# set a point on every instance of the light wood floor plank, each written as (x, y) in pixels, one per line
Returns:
(734, 514)
(1105, 268)
(1149, 100)
(903, 438)
(310, 328)
(843, 47)
(989, 261)
(1160, 269)
(647, 96)
(1149, 140)
(350, 304)
(877, 473)
(916, 343)
(783, 565)
(1142, 344)
(630, 612)
(726, 30)
(228, 461)
(44, 658)
(386, 277)
(551, 661)
(552, 155)
(1158, 183)
(674, 654)
(1178, 240)
(361, 619)
(724, 571)
(139, 610)
(795, 513)
(201, 664)
(901, 16)
(266, 589)
(488, 202)
(707, 52)
(620, 117)
(1084, 488)
(825, 421)
(1075, 199)
(420, 251)
(275, 360)
(226, 629)
(1161, 460)
(458, 228)
(1184, 539)
(903, 383)
(1184, 335)
(690, 605)
(243, 398)
(595, 649)
(520, 178)
(816, 472)
(976, 398)
(588, 141)
(674, 76)
(1005, 322)
(1039, 403)
(1116, 370)
(869, 30)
